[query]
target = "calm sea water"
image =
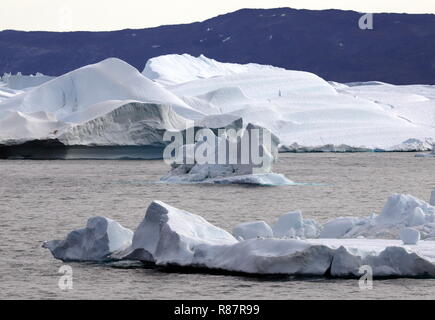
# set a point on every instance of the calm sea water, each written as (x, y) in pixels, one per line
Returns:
(43, 200)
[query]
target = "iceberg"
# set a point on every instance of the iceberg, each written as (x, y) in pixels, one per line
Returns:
(171, 237)
(238, 167)
(106, 104)
(97, 242)
(401, 211)
(306, 113)
(300, 107)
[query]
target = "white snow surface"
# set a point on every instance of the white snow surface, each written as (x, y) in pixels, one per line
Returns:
(252, 230)
(299, 107)
(293, 225)
(175, 69)
(20, 82)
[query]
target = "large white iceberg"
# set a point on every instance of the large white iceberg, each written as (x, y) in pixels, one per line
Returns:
(108, 103)
(97, 242)
(171, 237)
(299, 107)
(304, 111)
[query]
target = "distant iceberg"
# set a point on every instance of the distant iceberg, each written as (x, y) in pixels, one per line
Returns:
(428, 155)
(103, 105)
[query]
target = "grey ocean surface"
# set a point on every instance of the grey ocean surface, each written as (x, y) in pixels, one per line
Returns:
(43, 200)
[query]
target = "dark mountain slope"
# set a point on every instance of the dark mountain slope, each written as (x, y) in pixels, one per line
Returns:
(400, 49)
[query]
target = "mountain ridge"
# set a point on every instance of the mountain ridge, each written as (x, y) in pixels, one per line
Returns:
(399, 50)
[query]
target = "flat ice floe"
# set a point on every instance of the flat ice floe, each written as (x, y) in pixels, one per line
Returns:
(168, 236)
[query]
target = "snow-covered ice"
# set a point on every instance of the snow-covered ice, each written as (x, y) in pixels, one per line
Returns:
(105, 103)
(303, 110)
(20, 82)
(400, 211)
(260, 179)
(176, 69)
(96, 242)
(428, 155)
(338, 228)
(168, 236)
(252, 230)
(292, 225)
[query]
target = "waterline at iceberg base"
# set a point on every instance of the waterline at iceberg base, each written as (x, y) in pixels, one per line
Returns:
(172, 237)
